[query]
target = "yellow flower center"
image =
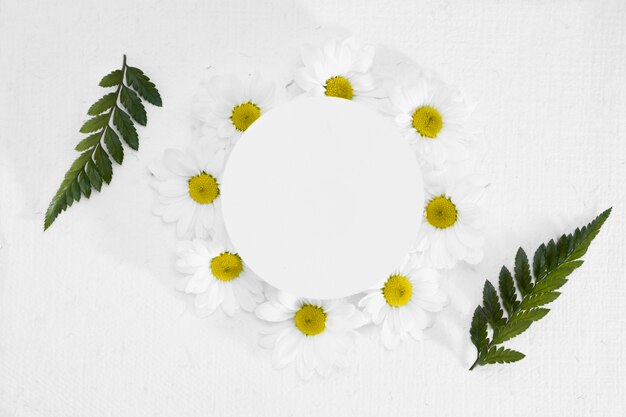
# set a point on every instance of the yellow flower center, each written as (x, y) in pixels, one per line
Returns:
(397, 290)
(441, 212)
(226, 266)
(310, 319)
(203, 188)
(339, 87)
(244, 115)
(427, 121)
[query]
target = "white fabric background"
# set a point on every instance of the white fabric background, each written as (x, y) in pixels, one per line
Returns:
(89, 322)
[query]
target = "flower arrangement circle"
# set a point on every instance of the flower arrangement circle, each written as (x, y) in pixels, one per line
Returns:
(318, 335)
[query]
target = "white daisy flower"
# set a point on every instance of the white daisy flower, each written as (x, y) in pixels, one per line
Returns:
(318, 335)
(338, 69)
(232, 105)
(401, 303)
(432, 116)
(453, 220)
(188, 184)
(218, 276)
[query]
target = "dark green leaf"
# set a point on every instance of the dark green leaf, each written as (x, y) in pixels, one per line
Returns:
(142, 84)
(102, 105)
(522, 273)
(85, 185)
(591, 231)
(94, 165)
(512, 329)
(549, 286)
(79, 163)
(131, 101)
(56, 206)
(94, 177)
(88, 142)
(491, 306)
(112, 79)
(557, 278)
(103, 164)
(533, 314)
(551, 258)
(562, 247)
(478, 331)
(553, 263)
(125, 126)
(75, 190)
(114, 146)
(539, 262)
(501, 355)
(507, 291)
(537, 300)
(69, 197)
(95, 123)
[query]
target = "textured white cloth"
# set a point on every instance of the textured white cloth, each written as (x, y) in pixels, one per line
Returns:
(90, 323)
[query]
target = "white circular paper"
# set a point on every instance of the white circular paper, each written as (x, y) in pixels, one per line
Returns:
(322, 198)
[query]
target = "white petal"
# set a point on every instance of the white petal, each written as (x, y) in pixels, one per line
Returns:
(345, 317)
(363, 83)
(420, 318)
(229, 303)
(179, 163)
(199, 282)
(208, 301)
(226, 129)
(288, 301)
(287, 348)
(432, 303)
(310, 55)
(403, 120)
(305, 80)
(244, 298)
(169, 212)
(387, 334)
(185, 221)
(173, 188)
(272, 311)
(302, 360)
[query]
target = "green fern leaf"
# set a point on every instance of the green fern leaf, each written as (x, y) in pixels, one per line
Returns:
(88, 142)
(478, 330)
(94, 176)
(85, 185)
(132, 102)
(113, 79)
(501, 355)
(114, 146)
(553, 263)
(507, 290)
(539, 262)
(551, 285)
(102, 105)
(124, 125)
(491, 306)
(551, 258)
(103, 164)
(587, 235)
(142, 84)
(94, 165)
(512, 329)
(532, 314)
(95, 123)
(522, 273)
(538, 299)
